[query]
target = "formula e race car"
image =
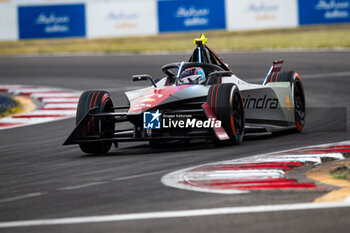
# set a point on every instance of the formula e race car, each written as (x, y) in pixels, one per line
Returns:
(198, 99)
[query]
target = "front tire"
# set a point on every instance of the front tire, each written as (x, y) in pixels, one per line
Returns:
(299, 102)
(226, 103)
(103, 102)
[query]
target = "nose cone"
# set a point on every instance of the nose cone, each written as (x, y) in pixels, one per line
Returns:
(164, 95)
(154, 97)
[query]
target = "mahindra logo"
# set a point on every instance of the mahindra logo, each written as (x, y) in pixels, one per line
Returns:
(260, 103)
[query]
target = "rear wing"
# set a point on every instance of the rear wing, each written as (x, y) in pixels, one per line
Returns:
(276, 67)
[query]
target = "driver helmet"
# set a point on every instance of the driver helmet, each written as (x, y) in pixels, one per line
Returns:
(193, 75)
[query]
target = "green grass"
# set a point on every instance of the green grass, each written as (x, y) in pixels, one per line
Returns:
(312, 37)
(342, 172)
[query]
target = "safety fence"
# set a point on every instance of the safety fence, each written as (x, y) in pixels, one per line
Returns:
(23, 19)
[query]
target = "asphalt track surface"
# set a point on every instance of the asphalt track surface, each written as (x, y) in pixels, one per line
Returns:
(41, 179)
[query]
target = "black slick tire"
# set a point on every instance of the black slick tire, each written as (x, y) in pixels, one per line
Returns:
(297, 94)
(102, 101)
(226, 103)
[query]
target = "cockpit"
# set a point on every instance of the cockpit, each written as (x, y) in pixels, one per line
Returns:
(204, 67)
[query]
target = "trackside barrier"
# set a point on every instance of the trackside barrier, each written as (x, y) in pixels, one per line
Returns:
(324, 11)
(182, 15)
(8, 22)
(51, 21)
(23, 19)
(261, 14)
(121, 18)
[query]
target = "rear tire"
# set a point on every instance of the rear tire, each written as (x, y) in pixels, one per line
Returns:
(299, 102)
(297, 94)
(226, 103)
(103, 102)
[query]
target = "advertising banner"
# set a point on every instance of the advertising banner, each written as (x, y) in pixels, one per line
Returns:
(51, 21)
(133, 17)
(261, 14)
(5, 2)
(41, 2)
(182, 15)
(324, 11)
(8, 23)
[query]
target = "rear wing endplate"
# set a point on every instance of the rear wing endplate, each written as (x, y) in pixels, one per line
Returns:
(276, 67)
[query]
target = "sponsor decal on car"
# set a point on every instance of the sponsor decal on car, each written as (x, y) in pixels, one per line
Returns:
(260, 103)
(151, 120)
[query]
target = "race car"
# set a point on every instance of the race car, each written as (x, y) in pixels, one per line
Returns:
(197, 99)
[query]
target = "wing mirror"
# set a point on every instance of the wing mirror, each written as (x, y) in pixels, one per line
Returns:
(140, 77)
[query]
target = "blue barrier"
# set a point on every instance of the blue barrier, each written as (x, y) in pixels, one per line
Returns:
(182, 15)
(69, 20)
(324, 11)
(51, 21)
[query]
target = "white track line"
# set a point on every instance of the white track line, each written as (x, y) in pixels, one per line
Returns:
(175, 214)
(80, 186)
(21, 197)
(87, 185)
(138, 176)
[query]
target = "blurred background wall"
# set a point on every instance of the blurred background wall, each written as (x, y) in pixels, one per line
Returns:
(35, 19)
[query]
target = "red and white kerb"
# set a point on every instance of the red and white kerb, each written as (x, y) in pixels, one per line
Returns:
(52, 104)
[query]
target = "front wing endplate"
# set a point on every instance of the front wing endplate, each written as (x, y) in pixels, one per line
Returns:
(219, 131)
